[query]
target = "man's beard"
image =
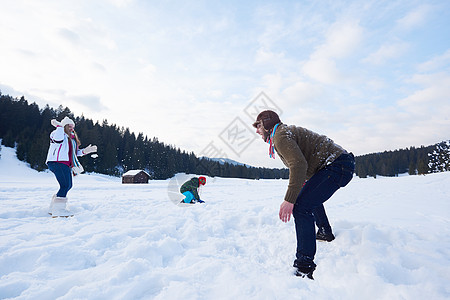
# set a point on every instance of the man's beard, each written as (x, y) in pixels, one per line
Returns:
(266, 136)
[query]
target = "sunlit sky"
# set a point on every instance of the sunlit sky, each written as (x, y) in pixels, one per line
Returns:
(371, 75)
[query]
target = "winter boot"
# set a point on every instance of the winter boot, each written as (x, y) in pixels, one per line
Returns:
(304, 269)
(59, 208)
(51, 205)
(323, 235)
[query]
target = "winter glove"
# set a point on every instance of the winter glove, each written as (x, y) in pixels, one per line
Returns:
(90, 149)
(55, 123)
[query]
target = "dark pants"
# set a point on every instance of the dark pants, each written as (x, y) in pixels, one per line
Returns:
(63, 174)
(321, 219)
(316, 191)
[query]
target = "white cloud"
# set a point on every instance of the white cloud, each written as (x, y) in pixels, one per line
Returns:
(121, 3)
(437, 62)
(69, 35)
(432, 99)
(92, 102)
(341, 40)
(387, 52)
(415, 18)
(376, 84)
(323, 70)
(301, 92)
(265, 56)
(420, 118)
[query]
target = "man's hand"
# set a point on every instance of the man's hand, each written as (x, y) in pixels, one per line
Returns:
(286, 211)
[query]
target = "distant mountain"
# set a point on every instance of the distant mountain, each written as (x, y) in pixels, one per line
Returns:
(222, 161)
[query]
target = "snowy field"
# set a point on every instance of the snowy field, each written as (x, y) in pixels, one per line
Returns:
(132, 242)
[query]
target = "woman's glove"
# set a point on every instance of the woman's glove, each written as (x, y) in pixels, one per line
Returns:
(55, 123)
(89, 149)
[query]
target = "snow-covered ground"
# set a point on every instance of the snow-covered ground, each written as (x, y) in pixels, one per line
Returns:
(132, 242)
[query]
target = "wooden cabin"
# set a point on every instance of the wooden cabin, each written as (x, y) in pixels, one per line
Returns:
(135, 176)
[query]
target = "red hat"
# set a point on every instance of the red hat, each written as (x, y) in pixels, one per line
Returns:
(201, 180)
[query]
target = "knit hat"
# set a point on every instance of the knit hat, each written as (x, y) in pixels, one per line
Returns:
(269, 119)
(67, 121)
(201, 180)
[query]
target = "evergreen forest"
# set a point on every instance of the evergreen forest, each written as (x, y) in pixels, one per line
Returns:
(393, 163)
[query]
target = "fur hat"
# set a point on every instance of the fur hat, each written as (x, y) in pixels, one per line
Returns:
(67, 121)
(269, 119)
(202, 180)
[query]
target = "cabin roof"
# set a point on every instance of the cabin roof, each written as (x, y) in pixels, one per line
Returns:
(134, 173)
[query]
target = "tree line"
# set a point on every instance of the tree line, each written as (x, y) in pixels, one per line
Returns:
(27, 127)
(392, 163)
(430, 159)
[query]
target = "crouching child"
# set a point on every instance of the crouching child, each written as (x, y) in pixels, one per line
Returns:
(190, 190)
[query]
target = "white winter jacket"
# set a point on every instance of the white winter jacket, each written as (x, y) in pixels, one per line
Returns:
(59, 146)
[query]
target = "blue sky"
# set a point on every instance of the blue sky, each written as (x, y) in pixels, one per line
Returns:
(371, 75)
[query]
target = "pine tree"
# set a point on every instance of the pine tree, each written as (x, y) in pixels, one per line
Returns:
(412, 168)
(422, 167)
(439, 158)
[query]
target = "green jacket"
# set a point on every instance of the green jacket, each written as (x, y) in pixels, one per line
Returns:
(304, 152)
(191, 186)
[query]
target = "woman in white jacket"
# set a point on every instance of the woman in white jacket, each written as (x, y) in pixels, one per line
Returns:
(62, 161)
